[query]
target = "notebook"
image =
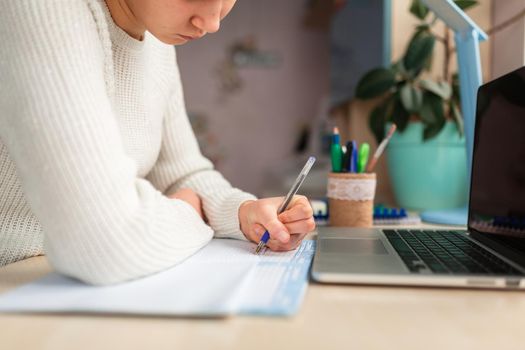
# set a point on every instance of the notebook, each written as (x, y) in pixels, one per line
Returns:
(223, 278)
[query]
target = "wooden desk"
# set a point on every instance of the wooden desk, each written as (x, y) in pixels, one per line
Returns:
(331, 317)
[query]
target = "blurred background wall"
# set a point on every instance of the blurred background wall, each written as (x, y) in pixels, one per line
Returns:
(508, 44)
(249, 106)
(252, 88)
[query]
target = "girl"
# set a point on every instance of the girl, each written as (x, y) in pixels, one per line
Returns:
(98, 163)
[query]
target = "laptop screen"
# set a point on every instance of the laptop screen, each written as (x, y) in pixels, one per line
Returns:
(497, 196)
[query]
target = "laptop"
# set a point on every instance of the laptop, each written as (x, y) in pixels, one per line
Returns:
(489, 254)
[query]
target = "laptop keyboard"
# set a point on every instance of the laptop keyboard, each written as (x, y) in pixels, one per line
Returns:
(445, 252)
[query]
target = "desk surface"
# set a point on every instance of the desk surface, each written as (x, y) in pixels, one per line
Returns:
(331, 317)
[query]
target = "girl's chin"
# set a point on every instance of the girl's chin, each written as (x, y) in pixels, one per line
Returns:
(172, 40)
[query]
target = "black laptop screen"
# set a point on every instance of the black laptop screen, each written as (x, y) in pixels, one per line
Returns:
(497, 196)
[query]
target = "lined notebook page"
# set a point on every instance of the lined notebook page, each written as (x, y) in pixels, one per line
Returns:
(220, 279)
(279, 282)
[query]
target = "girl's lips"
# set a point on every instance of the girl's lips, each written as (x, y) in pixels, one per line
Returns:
(185, 37)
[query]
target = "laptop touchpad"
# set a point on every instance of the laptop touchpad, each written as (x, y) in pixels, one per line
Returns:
(356, 246)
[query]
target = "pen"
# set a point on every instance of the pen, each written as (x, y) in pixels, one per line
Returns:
(362, 159)
(347, 156)
(353, 158)
(381, 148)
(344, 153)
(336, 152)
(295, 187)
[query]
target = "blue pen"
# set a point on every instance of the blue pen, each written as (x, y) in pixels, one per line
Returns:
(353, 158)
(298, 182)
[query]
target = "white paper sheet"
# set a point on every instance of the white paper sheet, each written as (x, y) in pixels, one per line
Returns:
(217, 280)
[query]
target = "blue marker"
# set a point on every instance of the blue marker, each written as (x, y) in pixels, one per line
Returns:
(353, 158)
(347, 157)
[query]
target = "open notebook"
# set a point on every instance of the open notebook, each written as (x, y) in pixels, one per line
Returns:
(223, 278)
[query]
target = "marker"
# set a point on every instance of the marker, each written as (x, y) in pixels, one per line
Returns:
(353, 158)
(364, 151)
(381, 148)
(336, 152)
(344, 153)
(295, 187)
(347, 157)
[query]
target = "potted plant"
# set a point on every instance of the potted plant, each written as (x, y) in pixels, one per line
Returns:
(426, 158)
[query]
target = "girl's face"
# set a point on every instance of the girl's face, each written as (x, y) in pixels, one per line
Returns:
(176, 22)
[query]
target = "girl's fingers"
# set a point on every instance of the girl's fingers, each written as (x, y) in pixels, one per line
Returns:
(297, 220)
(301, 210)
(268, 219)
(296, 229)
(258, 231)
(275, 228)
(294, 242)
(302, 226)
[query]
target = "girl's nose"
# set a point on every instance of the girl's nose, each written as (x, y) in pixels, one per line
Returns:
(208, 23)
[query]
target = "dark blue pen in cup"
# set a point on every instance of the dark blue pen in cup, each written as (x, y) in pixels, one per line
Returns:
(353, 158)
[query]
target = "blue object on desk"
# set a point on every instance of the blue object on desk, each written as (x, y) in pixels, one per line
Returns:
(320, 209)
(381, 212)
(467, 37)
(456, 216)
(291, 286)
(394, 216)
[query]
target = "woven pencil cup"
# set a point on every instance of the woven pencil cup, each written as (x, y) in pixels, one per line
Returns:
(351, 199)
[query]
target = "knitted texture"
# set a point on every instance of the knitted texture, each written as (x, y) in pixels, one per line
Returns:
(93, 136)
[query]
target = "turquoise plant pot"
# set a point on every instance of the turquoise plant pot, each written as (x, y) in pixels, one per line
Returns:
(430, 174)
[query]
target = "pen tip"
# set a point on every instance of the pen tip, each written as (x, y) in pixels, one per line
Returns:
(258, 248)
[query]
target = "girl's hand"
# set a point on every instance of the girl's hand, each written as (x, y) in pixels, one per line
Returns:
(190, 197)
(286, 230)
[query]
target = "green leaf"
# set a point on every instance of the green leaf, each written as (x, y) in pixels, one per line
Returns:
(425, 27)
(456, 95)
(432, 108)
(418, 9)
(428, 64)
(432, 130)
(442, 88)
(432, 115)
(375, 83)
(446, 90)
(419, 52)
(465, 4)
(400, 116)
(377, 121)
(398, 68)
(411, 97)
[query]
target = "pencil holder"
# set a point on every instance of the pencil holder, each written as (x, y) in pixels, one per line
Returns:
(351, 199)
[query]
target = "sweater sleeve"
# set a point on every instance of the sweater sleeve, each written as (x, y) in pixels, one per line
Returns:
(102, 224)
(181, 165)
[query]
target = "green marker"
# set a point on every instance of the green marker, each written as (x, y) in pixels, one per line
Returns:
(362, 159)
(336, 152)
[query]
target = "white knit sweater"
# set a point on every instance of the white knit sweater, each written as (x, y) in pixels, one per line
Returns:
(94, 135)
